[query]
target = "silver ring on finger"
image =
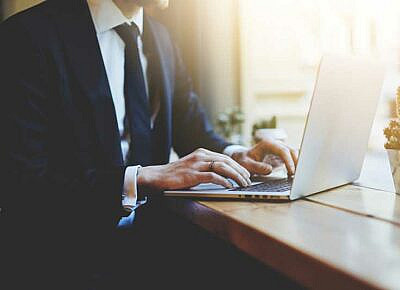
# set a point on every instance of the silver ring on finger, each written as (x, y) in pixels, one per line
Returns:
(211, 166)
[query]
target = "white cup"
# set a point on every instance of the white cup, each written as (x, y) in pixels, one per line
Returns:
(277, 133)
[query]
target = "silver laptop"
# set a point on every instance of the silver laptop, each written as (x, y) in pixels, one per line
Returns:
(335, 137)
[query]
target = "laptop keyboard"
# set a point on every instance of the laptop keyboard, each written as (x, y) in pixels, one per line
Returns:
(278, 185)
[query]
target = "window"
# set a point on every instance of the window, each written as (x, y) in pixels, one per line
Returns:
(282, 42)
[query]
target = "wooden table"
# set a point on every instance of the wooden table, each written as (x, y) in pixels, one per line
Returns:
(344, 238)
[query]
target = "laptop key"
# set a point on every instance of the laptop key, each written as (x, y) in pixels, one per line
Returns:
(278, 185)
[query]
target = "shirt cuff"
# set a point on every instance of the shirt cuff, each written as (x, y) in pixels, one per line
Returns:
(229, 150)
(129, 196)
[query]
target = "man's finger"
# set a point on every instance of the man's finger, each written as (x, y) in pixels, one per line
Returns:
(225, 170)
(294, 156)
(228, 160)
(212, 156)
(257, 167)
(283, 152)
(286, 156)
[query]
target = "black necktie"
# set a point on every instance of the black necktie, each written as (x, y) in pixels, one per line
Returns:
(136, 99)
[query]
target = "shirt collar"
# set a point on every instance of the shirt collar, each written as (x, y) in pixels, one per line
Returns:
(106, 16)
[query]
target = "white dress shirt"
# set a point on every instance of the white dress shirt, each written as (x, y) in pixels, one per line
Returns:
(106, 16)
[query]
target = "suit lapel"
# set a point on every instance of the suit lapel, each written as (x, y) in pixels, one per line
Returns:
(84, 57)
(165, 67)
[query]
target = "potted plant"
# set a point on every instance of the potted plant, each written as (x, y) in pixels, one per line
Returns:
(392, 145)
(229, 125)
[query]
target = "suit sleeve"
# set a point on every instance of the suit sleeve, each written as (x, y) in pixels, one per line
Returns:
(81, 198)
(191, 127)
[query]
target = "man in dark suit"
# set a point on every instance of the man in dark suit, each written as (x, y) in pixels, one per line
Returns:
(94, 96)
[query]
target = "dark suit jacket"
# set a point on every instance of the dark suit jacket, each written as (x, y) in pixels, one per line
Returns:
(63, 165)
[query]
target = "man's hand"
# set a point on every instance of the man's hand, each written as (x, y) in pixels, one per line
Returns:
(201, 166)
(253, 159)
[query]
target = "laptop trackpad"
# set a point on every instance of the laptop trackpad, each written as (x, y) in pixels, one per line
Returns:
(212, 186)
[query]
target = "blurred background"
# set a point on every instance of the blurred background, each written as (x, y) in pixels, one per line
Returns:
(254, 62)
